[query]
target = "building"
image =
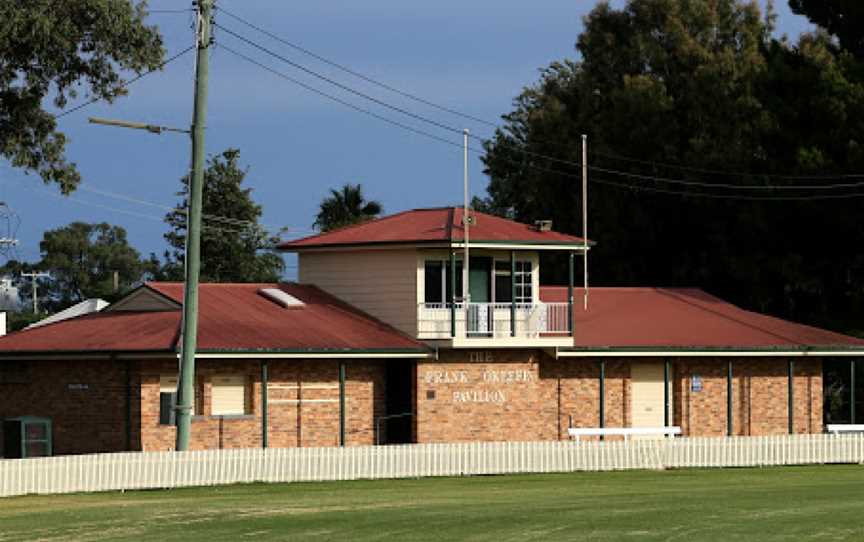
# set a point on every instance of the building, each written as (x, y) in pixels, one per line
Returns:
(377, 345)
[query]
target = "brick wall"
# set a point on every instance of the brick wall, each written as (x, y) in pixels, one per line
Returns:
(459, 398)
(303, 404)
(463, 396)
(759, 396)
(85, 399)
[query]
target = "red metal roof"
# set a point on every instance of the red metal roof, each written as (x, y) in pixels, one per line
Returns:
(681, 318)
(232, 317)
(440, 225)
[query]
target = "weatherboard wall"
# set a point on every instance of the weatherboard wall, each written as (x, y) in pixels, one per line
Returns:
(382, 283)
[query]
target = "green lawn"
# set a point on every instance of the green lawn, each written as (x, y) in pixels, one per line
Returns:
(825, 503)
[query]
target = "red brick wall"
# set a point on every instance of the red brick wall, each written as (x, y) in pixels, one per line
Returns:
(759, 396)
(468, 406)
(85, 399)
(475, 395)
(313, 421)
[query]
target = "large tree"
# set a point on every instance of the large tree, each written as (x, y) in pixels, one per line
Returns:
(234, 246)
(699, 92)
(84, 260)
(50, 52)
(841, 18)
(344, 207)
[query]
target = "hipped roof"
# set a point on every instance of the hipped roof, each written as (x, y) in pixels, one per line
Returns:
(441, 225)
(232, 318)
(682, 318)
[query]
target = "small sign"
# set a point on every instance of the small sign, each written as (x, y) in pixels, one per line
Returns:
(78, 387)
(695, 383)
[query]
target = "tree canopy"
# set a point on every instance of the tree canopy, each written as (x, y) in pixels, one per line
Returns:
(841, 18)
(702, 94)
(49, 51)
(234, 246)
(344, 207)
(82, 259)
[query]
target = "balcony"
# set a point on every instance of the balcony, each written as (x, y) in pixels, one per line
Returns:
(476, 324)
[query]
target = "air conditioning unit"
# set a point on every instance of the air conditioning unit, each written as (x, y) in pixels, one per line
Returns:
(543, 225)
(27, 436)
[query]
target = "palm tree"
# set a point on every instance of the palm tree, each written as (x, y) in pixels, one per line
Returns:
(345, 207)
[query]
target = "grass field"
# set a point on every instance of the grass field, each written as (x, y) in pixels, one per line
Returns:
(824, 503)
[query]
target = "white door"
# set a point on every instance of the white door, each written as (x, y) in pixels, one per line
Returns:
(646, 401)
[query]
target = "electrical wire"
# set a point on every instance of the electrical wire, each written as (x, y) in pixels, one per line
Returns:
(424, 101)
(532, 166)
(127, 83)
(683, 182)
(355, 73)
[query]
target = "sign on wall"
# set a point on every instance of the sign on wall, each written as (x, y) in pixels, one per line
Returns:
(695, 383)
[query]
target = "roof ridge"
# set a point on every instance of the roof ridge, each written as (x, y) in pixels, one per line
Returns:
(346, 227)
(732, 318)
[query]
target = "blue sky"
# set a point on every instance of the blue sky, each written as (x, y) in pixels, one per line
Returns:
(471, 56)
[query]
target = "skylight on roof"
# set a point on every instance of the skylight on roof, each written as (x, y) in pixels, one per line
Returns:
(283, 299)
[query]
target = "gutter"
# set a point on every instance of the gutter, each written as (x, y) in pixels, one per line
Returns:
(804, 351)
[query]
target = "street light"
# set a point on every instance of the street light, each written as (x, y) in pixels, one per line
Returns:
(152, 128)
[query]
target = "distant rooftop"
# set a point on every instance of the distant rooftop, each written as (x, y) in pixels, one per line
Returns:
(442, 225)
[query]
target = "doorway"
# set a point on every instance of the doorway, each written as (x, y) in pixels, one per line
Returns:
(646, 399)
(397, 425)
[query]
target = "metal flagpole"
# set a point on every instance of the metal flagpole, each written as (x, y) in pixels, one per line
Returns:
(585, 218)
(466, 221)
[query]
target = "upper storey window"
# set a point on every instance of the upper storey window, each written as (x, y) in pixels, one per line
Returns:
(438, 281)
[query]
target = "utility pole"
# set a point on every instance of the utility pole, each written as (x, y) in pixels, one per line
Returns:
(585, 220)
(33, 276)
(186, 385)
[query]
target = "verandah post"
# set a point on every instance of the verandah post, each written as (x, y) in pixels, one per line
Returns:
(453, 293)
(570, 257)
(790, 394)
(729, 427)
(602, 394)
(666, 393)
(264, 384)
(852, 391)
(512, 293)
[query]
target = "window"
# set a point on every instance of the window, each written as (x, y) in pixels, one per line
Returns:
(524, 282)
(229, 395)
(438, 279)
(167, 399)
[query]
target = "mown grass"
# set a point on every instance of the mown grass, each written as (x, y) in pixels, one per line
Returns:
(795, 503)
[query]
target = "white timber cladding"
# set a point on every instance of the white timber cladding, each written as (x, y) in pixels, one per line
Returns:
(228, 395)
(382, 283)
(646, 403)
(496, 255)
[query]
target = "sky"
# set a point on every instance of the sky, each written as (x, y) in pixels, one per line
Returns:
(474, 57)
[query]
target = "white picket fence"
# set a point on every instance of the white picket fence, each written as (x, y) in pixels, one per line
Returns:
(148, 470)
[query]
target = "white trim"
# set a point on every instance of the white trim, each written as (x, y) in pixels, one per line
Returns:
(706, 353)
(300, 401)
(521, 246)
(316, 355)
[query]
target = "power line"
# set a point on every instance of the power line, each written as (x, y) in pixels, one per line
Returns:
(339, 100)
(129, 82)
(424, 101)
(539, 168)
(453, 129)
(355, 73)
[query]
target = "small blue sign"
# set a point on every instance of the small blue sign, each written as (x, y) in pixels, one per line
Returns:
(696, 383)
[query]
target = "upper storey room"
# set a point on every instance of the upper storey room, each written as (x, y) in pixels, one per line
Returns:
(408, 269)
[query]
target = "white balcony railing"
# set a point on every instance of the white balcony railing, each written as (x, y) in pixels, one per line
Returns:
(495, 320)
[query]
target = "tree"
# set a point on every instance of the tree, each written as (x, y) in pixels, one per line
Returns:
(841, 18)
(345, 207)
(83, 260)
(49, 50)
(234, 246)
(698, 92)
